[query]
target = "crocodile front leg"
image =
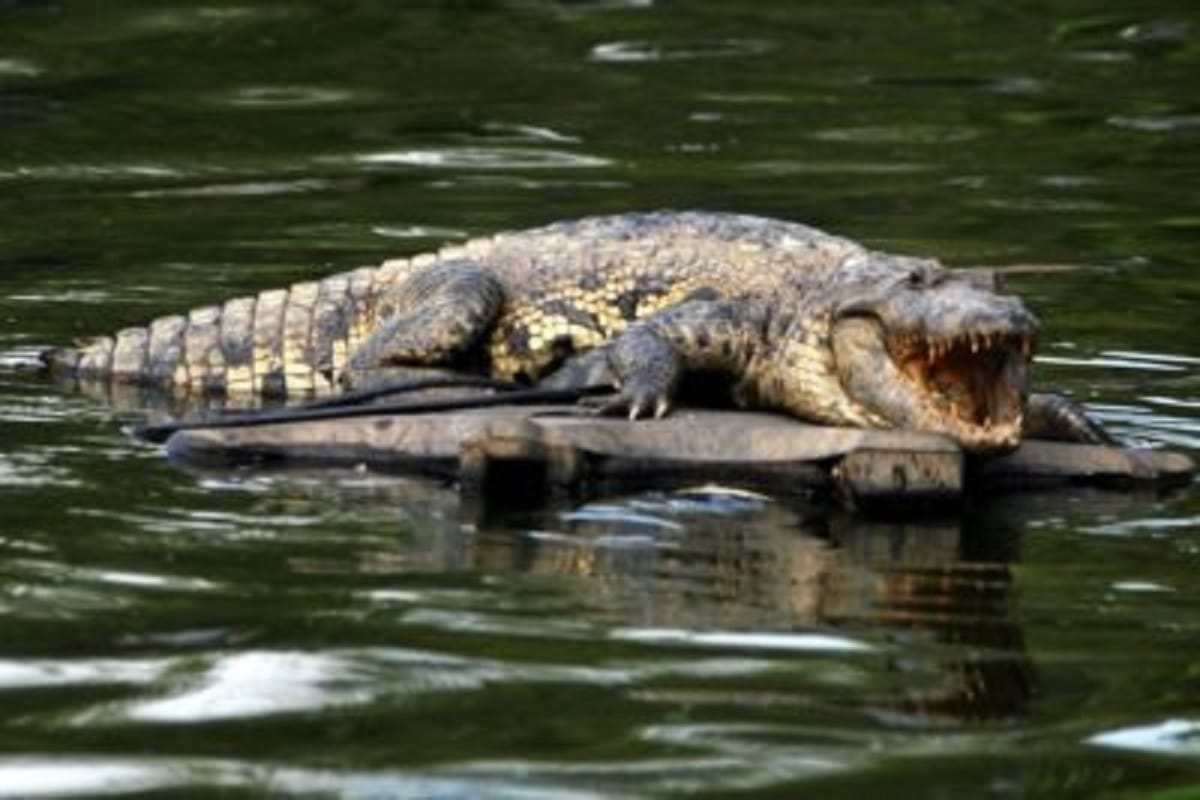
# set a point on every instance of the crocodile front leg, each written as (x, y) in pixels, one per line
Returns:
(1052, 416)
(431, 318)
(649, 359)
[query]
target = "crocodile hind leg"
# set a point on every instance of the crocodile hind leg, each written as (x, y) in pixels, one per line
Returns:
(1052, 416)
(432, 318)
(589, 368)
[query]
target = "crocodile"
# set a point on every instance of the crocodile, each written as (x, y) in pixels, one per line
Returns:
(795, 319)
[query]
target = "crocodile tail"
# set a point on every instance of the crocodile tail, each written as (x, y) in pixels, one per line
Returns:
(277, 342)
(87, 356)
(59, 360)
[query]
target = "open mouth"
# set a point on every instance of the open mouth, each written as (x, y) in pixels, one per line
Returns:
(977, 380)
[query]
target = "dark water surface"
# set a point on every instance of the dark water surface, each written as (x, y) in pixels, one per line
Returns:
(354, 635)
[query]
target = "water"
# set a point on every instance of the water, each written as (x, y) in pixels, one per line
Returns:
(354, 635)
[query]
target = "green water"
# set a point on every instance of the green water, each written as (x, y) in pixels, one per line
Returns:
(353, 635)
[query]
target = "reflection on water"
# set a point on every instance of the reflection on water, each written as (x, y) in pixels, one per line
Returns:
(721, 602)
(781, 642)
(767, 573)
(360, 635)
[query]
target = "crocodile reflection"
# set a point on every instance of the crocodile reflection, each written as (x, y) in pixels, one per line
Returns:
(935, 599)
(776, 569)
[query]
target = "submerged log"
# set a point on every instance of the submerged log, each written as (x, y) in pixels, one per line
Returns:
(525, 454)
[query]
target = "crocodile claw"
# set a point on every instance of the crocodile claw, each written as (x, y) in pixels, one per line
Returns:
(635, 404)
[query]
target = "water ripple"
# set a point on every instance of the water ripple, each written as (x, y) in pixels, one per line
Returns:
(1004, 84)
(40, 776)
(520, 182)
(1160, 358)
(205, 522)
(91, 172)
(783, 167)
(1158, 32)
(33, 469)
(65, 295)
(46, 673)
(484, 158)
(258, 684)
(1112, 362)
(1098, 56)
(1141, 587)
(608, 5)
(59, 574)
(248, 685)
(198, 18)
(46, 776)
(598, 512)
(1174, 737)
(240, 189)
(749, 640)
(1153, 526)
(418, 232)
(517, 132)
(289, 97)
(641, 51)
(20, 357)
(1166, 123)
(899, 133)
(18, 68)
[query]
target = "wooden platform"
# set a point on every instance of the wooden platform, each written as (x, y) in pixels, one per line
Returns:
(525, 454)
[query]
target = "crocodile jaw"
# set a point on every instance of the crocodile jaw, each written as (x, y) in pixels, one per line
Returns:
(971, 387)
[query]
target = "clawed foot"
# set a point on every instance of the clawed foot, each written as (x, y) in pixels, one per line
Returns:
(644, 379)
(1052, 416)
(636, 402)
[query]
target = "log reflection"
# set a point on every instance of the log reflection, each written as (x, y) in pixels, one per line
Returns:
(943, 619)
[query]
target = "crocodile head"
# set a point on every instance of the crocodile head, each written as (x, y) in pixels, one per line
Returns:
(925, 348)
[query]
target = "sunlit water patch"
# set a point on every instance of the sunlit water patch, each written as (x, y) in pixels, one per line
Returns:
(29, 469)
(416, 231)
(633, 52)
(47, 673)
(96, 776)
(1176, 737)
(92, 172)
(18, 68)
(207, 18)
(1167, 123)
(259, 684)
(898, 133)
(484, 158)
(519, 132)
(238, 189)
(798, 642)
(827, 167)
(289, 97)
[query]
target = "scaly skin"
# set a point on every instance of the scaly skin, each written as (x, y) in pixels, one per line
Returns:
(802, 321)
(584, 280)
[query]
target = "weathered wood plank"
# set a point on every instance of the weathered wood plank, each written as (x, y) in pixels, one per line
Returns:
(544, 450)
